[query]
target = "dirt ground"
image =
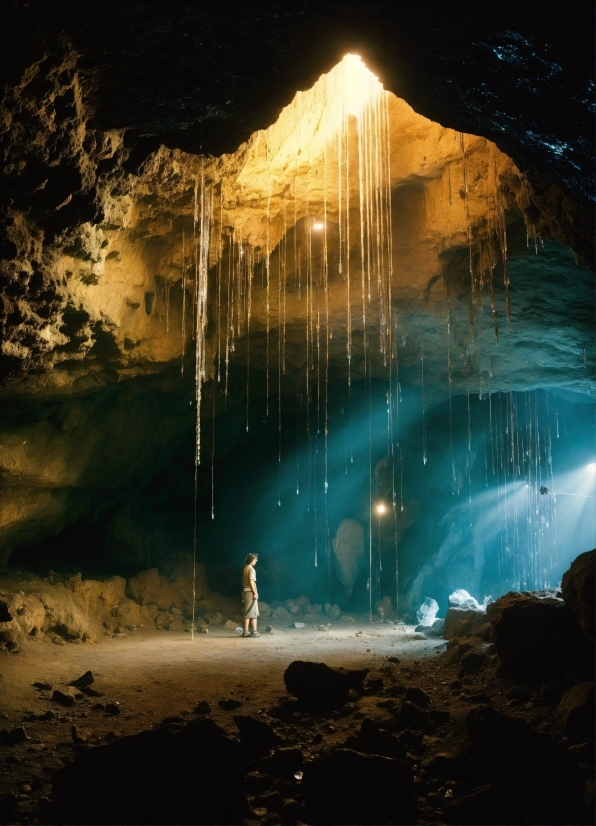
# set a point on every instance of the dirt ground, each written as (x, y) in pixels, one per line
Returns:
(154, 674)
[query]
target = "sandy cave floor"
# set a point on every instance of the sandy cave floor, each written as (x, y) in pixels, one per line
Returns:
(153, 675)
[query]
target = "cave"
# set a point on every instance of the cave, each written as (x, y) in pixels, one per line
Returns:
(311, 284)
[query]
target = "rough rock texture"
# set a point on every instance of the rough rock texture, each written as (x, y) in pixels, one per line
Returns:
(579, 588)
(575, 713)
(72, 609)
(191, 775)
(537, 636)
(530, 773)
(459, 622)
(98, 284)
(63, 609)
(257, 736)
(348, 787)
(320, 688)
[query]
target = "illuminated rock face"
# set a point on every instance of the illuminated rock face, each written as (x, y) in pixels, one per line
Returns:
(351, 227)
(114, 288)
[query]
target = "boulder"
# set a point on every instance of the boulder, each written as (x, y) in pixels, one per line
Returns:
(194, 774)
(264, 610)
(284, 762)
(577, 587)
(281, 613)
(411, 716)
(418, 696)
(372, 739)
(13, 737)
(537, 636)
(257, 736)
(149, 588)
(459, 622)
(320, 688)
(534, 777)
(471, 662)
(352, 788)
(427, 612)
(65, 696)
(575, 713)
(332, 610)
(256, 783)
(460, 598)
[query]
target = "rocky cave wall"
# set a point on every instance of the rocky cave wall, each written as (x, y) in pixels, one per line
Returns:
(95, 253)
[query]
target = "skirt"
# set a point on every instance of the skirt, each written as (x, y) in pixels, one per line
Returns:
(251, 606)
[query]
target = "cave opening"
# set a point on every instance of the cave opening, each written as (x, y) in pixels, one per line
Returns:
(359, 344)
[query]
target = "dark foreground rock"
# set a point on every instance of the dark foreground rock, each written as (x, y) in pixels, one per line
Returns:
(193, 775)
(352, 788)
(529, 774)
(578, 589)
(256, 736)
(575, 714)
(537, 636)
(320, 688)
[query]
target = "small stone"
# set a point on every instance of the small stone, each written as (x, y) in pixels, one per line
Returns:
(391, 659)
(42, 686)
(228, 703)
(203, 708)
(257, 783)
(230, 626)
(64, 698)
(84, 680)
(91, 692)
(113, 709)
(418, 696)
(298, 625)
(270, 630)
(272, 801)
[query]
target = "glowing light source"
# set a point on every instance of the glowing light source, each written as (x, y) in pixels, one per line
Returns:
(359, 85)
(381, 508)
(317, 225)
(592, 466)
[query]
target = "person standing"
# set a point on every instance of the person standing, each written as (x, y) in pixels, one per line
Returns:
(250, 596)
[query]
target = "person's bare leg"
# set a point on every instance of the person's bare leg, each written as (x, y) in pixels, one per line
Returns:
(245, 626)
(253, 625)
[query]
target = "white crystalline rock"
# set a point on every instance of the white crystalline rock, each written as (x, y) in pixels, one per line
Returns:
(461, 599)
(427, 612)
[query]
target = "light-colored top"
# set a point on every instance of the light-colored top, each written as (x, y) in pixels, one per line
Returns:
(247, 574)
